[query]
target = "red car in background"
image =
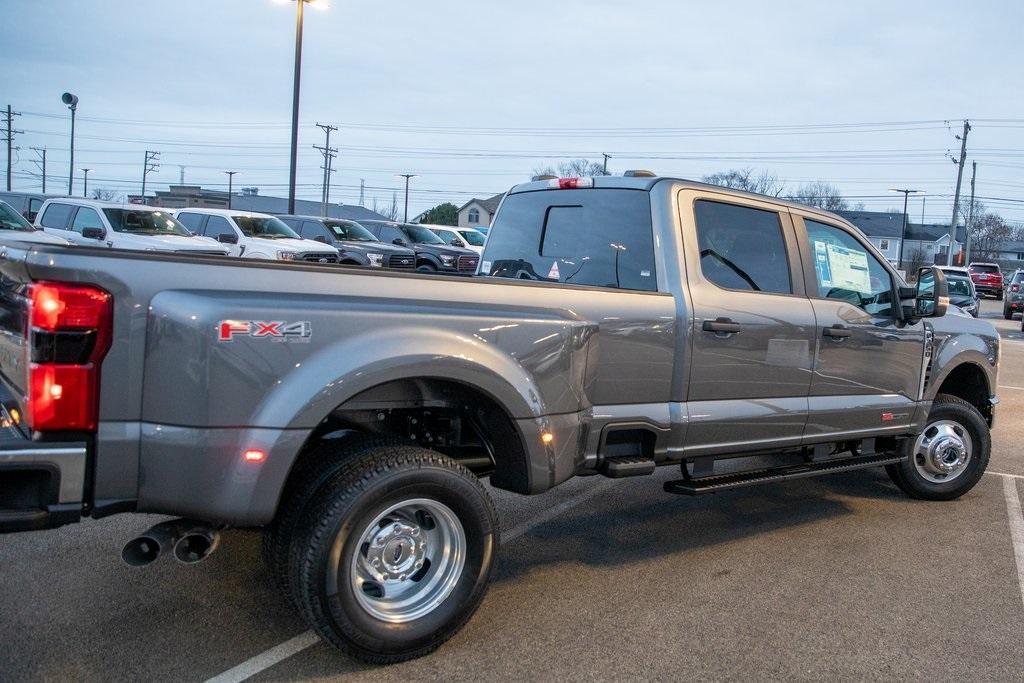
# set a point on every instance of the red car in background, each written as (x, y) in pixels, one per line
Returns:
(987, 278)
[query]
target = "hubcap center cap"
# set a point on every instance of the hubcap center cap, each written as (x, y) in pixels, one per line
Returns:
(397, 550)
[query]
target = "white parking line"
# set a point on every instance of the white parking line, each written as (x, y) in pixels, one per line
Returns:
(1013, 510)
(1005, 386)
(279, 653)
(265, 660)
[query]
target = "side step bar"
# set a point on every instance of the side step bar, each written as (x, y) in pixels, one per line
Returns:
(694, 487)
(617, 468)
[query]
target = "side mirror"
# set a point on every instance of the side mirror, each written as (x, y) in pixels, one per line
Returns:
(227, 238)
(399, 241)
(320, 238)
(932, 294)
(456, 242)
(94, 233)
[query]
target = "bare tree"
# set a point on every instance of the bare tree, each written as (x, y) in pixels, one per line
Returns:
(574, 168)
(820, 194)
(913, 261)
(104, 195)
(745, 179)
(989, 233)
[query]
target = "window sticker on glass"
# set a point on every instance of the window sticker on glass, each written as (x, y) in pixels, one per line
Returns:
(842, 268)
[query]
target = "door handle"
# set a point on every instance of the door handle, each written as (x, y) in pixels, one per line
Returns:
(837, 332)
(721, 325)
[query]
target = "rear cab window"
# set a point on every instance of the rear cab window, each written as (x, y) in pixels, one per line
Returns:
(590, 237)
(742, 247)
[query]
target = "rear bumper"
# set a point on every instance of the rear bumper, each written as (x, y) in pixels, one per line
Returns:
(41, 484)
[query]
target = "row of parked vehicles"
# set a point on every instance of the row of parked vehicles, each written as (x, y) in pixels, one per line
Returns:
(246, 234)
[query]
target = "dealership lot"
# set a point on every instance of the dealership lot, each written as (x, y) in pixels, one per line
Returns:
(841, 576)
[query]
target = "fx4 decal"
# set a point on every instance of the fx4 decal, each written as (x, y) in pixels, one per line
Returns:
(276, 330)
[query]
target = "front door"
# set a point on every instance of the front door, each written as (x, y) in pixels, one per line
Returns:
(868, 363)
(753, 326)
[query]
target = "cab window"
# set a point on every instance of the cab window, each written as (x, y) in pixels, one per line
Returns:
(742, 248)
(846, 271)
(56, 216)
(86, 218)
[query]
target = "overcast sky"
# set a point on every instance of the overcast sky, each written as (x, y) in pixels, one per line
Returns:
(473, 96)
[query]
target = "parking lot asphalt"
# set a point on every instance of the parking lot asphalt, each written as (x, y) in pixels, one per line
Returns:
(835, 577)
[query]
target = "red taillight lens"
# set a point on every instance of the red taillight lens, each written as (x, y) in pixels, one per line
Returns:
(62, 397)
(572, 183)
(69, 334)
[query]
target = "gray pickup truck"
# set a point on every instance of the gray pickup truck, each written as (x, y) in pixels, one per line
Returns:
(617, 324)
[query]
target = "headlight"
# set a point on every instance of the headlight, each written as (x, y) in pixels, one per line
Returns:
(376, 260)
(286, 255)
(447, 261)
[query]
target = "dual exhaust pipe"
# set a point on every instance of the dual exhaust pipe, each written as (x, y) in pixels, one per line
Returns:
(190, 542)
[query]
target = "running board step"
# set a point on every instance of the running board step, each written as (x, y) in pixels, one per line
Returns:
(694, 487)
(617, 468)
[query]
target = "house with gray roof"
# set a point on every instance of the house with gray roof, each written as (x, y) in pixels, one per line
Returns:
(479, 212)
(883, 228)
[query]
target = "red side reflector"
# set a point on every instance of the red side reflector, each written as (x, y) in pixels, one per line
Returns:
(254, 455)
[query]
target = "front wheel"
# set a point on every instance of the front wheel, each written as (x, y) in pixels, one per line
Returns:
(948, 458)
(426, 268)
(395, 553)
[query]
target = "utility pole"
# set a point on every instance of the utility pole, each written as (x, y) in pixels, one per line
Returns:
(85, 181)
(970, 215)
(407, 176)
(9, 132)
(903, 232)
(181, 174)
(328, 153)
(606, 158)
(231, 178)
(362, 190)
(151, 164)
(956, 197)
(40, 163)
(923, 198)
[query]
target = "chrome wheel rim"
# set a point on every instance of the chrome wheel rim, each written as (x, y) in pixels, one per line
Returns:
(942, 451)
(409, 560)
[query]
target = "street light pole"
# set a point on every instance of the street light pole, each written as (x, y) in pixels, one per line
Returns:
(85, 181)
(231, 178)
(295, 106)
(71, 101)
(407, 176)
(903, 231)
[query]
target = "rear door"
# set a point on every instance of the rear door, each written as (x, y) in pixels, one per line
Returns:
(868, 363)
(753, 326)
(56, 219)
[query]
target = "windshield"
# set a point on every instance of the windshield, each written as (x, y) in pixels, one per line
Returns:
(143, 222)
(420, 235)
(353, 232)
(984, 268)
(958, 286)
(266, 227)
(473, 237)
(12, 220)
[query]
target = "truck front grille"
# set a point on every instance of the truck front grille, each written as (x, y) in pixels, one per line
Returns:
(400, 262)
(320, 258)
(468, 263)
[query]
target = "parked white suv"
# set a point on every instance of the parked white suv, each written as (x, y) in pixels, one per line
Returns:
(247, 234)
(120, 226)
(467, 238)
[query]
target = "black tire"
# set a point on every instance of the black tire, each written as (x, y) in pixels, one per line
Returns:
(316, 467)
(1007, 314)
(426, 268)
(999, 296)
(956, 410)
(331, 533)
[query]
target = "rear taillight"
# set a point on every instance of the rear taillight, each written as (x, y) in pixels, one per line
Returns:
(69, 333)
(1014, 288)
